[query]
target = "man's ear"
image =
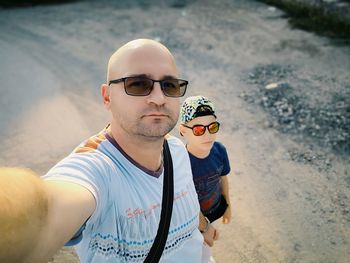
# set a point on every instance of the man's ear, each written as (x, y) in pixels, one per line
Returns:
(105, 95)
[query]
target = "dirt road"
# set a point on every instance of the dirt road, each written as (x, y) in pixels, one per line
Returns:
(290, 186)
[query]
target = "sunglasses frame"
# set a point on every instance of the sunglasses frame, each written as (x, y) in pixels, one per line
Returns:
(206, 127)
(161, 82)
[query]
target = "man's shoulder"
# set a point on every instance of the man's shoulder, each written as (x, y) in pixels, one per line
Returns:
(91, 144)
(177, 147)
(87, 158)
(174, 141)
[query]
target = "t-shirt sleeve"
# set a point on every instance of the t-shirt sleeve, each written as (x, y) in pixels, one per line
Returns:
(78, 236)
(88, 170)
(226, 162)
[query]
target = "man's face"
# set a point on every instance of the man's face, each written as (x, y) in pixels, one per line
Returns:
(151, 116)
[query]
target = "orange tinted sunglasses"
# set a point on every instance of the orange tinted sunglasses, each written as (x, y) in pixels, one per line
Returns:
(199, 130)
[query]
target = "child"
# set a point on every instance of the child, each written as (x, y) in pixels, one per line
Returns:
(209, 160)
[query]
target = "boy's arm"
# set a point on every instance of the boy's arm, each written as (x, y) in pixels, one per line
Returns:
(225, 192)
(209, 233)
(225, 188)
(36, 217)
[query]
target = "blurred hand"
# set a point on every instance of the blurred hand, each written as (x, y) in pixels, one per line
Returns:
(226, 218)
(211, 235)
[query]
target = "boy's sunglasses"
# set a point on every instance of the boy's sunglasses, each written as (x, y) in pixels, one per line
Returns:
(199, 130)
(143, 86)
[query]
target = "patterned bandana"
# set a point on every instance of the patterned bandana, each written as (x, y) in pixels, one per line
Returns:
(196, 106)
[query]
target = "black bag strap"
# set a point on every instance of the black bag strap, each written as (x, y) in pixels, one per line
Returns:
(157, 248)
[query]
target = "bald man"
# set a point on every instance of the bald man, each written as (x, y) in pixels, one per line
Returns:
(106, 196)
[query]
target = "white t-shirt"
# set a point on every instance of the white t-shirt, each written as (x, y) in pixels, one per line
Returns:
(129, 199)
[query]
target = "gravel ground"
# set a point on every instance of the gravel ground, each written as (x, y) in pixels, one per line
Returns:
(323, 122)
(340, 8)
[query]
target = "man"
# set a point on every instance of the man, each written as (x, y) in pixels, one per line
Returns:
(106, 195)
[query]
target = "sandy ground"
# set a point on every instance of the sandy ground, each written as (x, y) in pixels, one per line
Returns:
(290, 192)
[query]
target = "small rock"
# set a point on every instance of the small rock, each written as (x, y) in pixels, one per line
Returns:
(345, 211)
(333, 242)
(297, 247)
(271, 86)
(268, 124)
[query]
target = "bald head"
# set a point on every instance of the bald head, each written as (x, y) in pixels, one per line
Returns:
(125, 59)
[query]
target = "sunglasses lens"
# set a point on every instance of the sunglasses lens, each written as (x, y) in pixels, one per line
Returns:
(171, 88)
(138, 86)
(198, 130)
(174, 87)
(213, 127)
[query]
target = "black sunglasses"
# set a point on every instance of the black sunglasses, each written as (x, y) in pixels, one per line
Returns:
(199, 129)
(143, 86)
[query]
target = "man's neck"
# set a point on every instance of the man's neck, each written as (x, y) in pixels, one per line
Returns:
(147, 153)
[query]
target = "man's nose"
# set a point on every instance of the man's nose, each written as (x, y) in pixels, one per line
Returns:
(156, 96)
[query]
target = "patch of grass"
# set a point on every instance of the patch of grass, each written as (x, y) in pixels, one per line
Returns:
(314, 18)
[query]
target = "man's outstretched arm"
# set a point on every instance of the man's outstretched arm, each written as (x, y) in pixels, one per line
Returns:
(36, 217)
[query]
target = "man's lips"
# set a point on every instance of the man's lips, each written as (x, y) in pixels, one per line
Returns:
(155, 115)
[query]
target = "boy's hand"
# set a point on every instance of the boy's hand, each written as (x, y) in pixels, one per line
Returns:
(211, 235)
(226, 218)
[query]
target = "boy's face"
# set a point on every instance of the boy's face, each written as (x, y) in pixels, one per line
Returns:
(203, 142)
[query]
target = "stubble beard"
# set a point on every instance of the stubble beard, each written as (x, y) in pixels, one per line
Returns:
(149, 131)
(155, 131)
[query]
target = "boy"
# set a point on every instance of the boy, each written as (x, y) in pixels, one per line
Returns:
(209, 160)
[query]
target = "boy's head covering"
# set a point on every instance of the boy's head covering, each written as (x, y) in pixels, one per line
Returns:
(196, 106)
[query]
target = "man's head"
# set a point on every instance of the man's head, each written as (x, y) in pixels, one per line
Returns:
(139, 106)
(134, 51)
(198, 122)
